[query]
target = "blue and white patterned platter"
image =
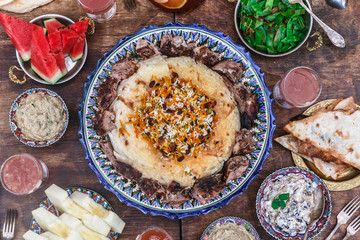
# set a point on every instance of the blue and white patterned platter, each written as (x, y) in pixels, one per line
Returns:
(128, 191)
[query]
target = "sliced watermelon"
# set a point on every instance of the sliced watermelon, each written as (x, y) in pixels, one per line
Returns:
(20, 33)
(43, 61)
(54, 40)
(80, 27)
(69, 38)
(77, 51)
(53, 25)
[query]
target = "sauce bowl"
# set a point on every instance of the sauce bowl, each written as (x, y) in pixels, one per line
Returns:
(306, 174)
(17, 131)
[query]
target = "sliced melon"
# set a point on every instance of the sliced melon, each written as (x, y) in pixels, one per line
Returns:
(20, 33)
(77, 51)
(80, 27)
(52, 25)
(42, 61)
(55, 44)
(51, 236)
(109, 217)
(30, 235)
(69, 38)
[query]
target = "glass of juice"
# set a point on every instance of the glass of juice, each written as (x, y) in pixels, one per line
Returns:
(23, 174)
(154, 233)
(99, 10)
(300, 87)
(176, 5)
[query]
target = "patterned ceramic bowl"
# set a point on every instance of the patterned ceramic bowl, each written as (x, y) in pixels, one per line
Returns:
(72, 67)
(230, 219)
(316, 228)
(128, 191)
(34, 226)
(17, 131)
(308, 24)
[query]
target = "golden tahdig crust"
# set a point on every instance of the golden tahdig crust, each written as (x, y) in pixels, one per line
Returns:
(138, 100)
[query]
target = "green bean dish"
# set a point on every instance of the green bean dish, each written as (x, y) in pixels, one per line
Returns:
(272, 26)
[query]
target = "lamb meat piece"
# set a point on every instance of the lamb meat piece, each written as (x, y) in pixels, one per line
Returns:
(103, 123)
(208, 187)
(108, 149)
(176, 195)
(145, 49)
(106, 93)
(150, 187)
(127, 170)
(235, 168)
(232, 70)
(174, 46)
(124, 69)
(247, 104)
(204, 55)
(244, 142)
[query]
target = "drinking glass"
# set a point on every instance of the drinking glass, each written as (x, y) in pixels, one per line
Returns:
(300, 87)
(23, 174)
(176, 5)
(99, 10)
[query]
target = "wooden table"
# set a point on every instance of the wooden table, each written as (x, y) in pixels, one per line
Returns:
(338, 69)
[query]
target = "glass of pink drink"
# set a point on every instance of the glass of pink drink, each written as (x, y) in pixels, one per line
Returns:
(23, 174)
(99, 10)
(300, 87)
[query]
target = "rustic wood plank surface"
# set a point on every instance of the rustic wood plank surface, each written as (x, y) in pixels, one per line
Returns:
(338, 69)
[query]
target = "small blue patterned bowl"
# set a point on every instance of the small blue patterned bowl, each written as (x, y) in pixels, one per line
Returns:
(320, 224)
(17, 131)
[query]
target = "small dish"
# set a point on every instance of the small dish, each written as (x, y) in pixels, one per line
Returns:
(309, 24)
(72, 67)
(319, 225)
(17, 131)
(45, 203)
(229, 219)
(154, 233)
(348, 180)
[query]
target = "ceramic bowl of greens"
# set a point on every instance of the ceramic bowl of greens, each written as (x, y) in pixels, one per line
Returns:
(272, 28)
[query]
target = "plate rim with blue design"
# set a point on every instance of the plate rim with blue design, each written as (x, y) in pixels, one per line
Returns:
(98, 198)
(237, 220)
(106, 175)
(324, 218)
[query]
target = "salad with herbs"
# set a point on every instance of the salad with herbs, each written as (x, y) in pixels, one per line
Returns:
(272, 26)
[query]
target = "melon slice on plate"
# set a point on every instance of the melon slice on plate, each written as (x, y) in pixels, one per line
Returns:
(54, 40)
(53, 25)
(80, 27)
(20, 33)
(43, 61)
(68, 38)
(77, 51)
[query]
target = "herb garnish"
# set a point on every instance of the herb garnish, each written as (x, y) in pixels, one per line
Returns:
(280, 201)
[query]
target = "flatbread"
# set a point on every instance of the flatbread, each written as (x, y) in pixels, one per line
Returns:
(4, 2)
(335, 132)
(329, 169)
(139, 153)
(23, 6)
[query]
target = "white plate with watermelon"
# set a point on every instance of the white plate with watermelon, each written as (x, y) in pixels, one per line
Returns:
(51, 49)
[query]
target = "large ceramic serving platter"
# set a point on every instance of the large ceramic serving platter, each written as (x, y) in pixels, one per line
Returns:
(128, 191)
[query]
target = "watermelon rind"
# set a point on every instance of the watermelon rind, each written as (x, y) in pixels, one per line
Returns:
(56, 77)
(53, 25)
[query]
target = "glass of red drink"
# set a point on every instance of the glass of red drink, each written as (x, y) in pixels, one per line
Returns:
(176, 5)
(99, 10)
(300, 87)
(154, 233)
(23, 174)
